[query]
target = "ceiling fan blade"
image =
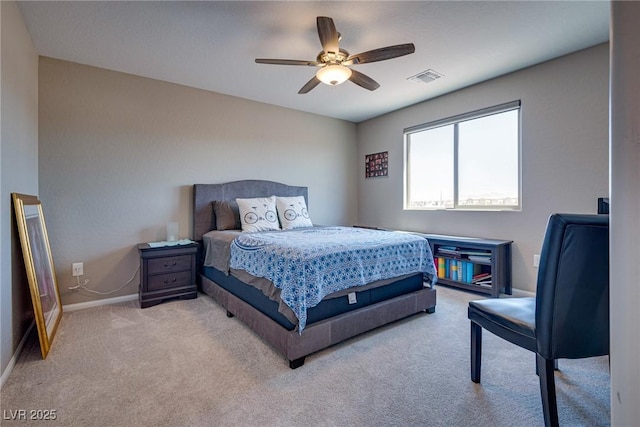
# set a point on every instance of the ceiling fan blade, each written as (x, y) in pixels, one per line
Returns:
(328, 34)
(287, 62)
(381, 54)
(309, 85)
(363, 80)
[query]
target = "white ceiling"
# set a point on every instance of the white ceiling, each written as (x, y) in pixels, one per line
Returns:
(212, 45)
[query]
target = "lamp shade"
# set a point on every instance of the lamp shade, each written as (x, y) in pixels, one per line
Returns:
(333, 74)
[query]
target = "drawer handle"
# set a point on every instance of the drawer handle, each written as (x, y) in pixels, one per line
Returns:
(170, 264)
(170, 281)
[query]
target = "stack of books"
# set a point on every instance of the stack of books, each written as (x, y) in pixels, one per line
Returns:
(449, 251)
(482, 279)
(476, 256)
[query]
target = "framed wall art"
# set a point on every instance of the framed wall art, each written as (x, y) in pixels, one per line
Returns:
(376, 164)
(38, 261)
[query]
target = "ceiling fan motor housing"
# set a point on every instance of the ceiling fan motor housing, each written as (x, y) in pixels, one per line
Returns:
(332, 57)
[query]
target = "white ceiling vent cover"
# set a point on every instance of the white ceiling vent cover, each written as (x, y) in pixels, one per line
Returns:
(425, 76)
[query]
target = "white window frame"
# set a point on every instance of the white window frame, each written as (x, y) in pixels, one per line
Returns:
(455, 120)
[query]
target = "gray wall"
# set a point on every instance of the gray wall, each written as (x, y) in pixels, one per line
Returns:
(18, 171)
(120, 153)
(625, 214)
(564, 155)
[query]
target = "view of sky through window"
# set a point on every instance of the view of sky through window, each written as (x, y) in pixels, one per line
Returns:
(487, 164)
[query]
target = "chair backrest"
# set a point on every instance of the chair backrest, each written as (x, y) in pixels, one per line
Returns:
(572, 294)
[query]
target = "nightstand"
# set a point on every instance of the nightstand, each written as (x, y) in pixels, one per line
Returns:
(167, 272)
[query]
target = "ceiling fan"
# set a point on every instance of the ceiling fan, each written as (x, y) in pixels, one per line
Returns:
(333, 61)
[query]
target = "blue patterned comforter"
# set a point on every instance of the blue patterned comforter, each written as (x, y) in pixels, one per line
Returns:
(309, 264)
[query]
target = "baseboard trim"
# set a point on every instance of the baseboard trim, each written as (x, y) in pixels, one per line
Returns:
(98, 302)
(16, 354)
(522, 293)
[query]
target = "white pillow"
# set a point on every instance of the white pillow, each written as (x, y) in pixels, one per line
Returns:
(258, 214)
(292, 212)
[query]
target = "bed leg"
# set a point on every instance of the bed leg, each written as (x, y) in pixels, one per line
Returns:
(229, 314)
(296, 363)
(430, 310)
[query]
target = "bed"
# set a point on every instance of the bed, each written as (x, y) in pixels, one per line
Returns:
(262, 306)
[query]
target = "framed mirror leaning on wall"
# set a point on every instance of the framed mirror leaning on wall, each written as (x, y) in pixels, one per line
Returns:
(38, 262)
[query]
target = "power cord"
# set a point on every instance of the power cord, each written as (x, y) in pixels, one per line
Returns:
(82, 285)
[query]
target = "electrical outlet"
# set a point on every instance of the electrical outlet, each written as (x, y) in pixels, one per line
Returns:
(77, 269)
(536, 260)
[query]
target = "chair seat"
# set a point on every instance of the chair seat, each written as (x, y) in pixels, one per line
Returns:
(514, 317)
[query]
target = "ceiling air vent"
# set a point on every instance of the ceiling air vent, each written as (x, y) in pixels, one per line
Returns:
(425, 76)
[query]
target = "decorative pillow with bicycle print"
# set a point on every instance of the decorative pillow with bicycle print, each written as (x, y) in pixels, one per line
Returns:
(292, 212)
(258, 214)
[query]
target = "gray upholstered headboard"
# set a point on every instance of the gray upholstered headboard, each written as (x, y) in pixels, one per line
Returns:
(205, 194)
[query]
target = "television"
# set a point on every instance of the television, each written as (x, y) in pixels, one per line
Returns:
(603, 205)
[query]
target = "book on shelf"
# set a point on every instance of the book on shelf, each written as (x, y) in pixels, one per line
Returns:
(479, 258)
(475, 252)
(440, 267)
(486, 284)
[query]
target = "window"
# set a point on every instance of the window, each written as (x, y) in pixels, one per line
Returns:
(470, 161)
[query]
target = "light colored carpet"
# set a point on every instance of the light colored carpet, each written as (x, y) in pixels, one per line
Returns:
(184, 363)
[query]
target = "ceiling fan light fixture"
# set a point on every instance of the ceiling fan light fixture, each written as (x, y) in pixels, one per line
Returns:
(333, 74)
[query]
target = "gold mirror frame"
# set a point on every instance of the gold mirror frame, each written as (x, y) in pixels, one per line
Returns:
(41, 273)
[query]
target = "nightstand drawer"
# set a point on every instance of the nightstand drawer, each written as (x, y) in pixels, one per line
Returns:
(169, 264)
(170, 280)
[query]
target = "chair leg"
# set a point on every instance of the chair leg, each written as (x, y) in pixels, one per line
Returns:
(545, 368)
(555, 365)
(476, 351)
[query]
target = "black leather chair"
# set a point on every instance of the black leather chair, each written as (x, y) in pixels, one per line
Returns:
(569, 316)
